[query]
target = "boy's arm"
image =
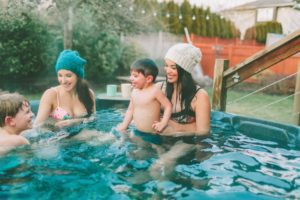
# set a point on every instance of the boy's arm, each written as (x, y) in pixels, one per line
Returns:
(166, 104)
(127, 119)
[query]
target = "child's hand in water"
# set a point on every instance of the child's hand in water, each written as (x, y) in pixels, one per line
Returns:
(121, 127)
(158, 126)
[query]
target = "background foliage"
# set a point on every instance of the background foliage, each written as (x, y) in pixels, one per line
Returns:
(32, 34)
(25, 48)
(259, 31)
(197, 20)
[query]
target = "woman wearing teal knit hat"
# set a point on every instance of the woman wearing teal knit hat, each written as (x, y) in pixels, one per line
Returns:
(72, 100)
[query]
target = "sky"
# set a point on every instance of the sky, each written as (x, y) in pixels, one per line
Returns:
(217, 5)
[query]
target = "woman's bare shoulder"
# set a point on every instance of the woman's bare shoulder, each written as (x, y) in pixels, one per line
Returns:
(50, 94)
(159, 84)
(202, 93)
(201, 96)
(92, 93)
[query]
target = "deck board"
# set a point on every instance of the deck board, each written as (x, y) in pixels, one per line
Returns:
(117, 97)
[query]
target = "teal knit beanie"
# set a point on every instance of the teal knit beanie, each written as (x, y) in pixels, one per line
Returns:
(71, 60)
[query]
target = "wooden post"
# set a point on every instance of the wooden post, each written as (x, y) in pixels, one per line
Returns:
(296, 111)
(219, 89)
(68, 29)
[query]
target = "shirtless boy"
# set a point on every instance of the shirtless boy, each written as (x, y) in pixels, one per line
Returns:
(15, 117)
(146, 99)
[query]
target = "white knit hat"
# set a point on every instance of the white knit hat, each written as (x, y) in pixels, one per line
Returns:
(185, 55)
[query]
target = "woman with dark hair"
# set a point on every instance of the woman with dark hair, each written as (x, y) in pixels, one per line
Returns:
(190, 103)
(72, 100)
(190, 108)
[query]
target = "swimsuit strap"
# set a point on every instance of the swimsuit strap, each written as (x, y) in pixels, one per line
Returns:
(162, 85)
(190, 112)
(198, 88)
(57, 98)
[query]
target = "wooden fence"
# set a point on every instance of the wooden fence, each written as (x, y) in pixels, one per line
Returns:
(235, 51)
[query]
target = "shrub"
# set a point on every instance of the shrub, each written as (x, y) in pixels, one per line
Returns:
(107, 56)
(23, 45)
(259, 31)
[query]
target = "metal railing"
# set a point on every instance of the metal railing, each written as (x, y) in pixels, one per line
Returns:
(225, 78)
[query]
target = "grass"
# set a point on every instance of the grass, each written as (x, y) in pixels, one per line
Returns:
(269, 107)
(276, 108)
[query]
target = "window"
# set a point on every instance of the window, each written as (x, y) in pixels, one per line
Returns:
(265, 14)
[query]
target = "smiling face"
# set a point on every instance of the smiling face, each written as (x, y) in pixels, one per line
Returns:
(23, 119)
(67, 79)
(171, 71)
(138, 80)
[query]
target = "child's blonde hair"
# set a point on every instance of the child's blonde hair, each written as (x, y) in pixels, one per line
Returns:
(10, 104)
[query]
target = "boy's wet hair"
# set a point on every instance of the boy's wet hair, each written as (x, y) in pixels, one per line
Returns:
(10, 104)
(145, 66)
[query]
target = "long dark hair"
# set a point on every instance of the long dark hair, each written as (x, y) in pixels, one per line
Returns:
(188, 89)
(85, 96)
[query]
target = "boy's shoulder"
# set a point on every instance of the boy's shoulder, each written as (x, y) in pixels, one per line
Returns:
(153, 88)
(13, 140)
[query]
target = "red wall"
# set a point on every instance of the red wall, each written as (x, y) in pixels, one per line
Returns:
(237, 51)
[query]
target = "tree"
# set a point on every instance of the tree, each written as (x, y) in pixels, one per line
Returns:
(196, 21)
(111, 16)
(79, 25)
(203, 27)
(25, 48)
(216, 24)
(173, 20)
(186, 11)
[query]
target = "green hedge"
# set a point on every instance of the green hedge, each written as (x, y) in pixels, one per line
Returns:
(24, 45)
(259, 31)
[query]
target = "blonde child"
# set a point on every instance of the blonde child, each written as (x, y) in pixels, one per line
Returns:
(15, 117)
(146, 99)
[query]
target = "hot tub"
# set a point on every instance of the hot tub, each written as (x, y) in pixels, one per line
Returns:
(243, 158)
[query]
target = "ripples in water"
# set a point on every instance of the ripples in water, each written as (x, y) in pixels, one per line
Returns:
(105, 164)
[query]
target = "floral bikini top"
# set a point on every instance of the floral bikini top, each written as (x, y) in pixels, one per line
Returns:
(59, 113)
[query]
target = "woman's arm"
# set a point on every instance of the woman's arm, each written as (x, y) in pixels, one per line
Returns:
(94, 100)
(201, 106)
(45, 107)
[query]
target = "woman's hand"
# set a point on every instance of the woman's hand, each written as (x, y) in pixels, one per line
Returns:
(177, 130)
(63, 123)
(70, 122)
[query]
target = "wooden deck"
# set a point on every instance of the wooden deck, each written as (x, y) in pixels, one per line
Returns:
(126, 78)
(118, 97)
